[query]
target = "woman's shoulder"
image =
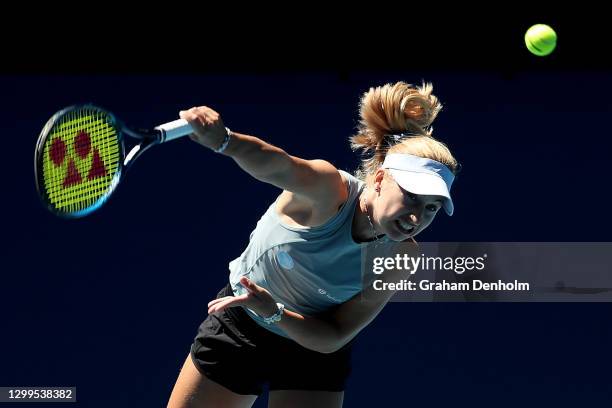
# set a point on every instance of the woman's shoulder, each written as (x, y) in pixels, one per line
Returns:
(299, 211)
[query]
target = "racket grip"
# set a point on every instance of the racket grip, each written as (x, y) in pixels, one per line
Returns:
(174, 130)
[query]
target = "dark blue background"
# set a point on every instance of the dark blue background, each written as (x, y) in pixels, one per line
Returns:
(110, 303)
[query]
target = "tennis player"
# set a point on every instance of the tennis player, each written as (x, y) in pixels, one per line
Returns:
(291, 309)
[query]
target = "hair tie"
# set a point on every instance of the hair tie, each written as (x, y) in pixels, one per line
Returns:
(399, 136)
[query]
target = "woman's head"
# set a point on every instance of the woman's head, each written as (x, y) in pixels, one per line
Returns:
(408, 171)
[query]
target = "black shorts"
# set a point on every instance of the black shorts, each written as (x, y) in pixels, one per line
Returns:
(233, 350)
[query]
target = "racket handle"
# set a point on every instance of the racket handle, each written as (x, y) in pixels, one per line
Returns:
(174, 130)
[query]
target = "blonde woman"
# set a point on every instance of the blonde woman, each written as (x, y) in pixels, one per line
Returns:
(289, 314)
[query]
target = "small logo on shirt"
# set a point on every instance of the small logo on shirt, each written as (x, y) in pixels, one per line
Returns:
(284, 260)
(324, 292)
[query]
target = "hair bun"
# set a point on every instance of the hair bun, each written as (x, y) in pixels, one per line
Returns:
(392, 109)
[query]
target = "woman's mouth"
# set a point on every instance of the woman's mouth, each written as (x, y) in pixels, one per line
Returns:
(404, 227)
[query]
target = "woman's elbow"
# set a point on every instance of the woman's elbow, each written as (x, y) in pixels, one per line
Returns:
(331, 346)
(329, 349)
(325, 345)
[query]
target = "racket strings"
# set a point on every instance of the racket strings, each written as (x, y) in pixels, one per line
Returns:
(81, 160)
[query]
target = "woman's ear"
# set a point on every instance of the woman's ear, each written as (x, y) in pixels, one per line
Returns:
(379, 176)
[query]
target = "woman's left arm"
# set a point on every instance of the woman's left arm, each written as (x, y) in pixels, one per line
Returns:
(354, 315)
(325, 333)
(313, 333)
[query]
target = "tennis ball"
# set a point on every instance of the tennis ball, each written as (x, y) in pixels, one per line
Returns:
(541, 39)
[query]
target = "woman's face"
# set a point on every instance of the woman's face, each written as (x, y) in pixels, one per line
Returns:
(398, 213)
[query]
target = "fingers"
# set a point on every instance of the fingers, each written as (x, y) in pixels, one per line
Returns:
(224, 298)
(251, 288)
(201, 116)
(208, 128)
(221, 299)
(228, 301)
(249, 285)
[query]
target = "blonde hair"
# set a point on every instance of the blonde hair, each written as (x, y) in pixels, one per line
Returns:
(394, 109)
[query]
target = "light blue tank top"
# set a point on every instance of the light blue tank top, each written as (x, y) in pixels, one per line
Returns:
(308, 269)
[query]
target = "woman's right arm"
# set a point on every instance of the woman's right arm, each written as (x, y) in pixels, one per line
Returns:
(316, 181)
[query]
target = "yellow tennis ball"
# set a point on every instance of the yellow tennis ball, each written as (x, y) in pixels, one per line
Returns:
(541, 39)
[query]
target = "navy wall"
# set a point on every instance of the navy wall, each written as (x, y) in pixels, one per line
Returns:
(110, 303)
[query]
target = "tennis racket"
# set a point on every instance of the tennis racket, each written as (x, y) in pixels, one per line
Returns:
(81, 157)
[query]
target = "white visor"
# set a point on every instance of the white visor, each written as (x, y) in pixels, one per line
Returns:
(421, 176)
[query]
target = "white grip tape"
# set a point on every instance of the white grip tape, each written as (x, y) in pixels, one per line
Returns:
(175, 129)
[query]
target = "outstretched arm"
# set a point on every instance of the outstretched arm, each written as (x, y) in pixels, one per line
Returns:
(316, 181)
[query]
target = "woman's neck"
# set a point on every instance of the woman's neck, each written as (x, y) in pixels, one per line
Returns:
(363, 230)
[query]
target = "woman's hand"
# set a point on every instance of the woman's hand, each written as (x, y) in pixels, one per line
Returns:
(208, 128)
(257, 299)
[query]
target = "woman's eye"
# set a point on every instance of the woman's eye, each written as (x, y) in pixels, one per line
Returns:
(432, 208)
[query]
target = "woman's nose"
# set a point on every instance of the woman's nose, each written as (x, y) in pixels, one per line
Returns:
(414, 219)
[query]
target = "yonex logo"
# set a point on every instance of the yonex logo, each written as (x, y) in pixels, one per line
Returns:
(59, 152)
